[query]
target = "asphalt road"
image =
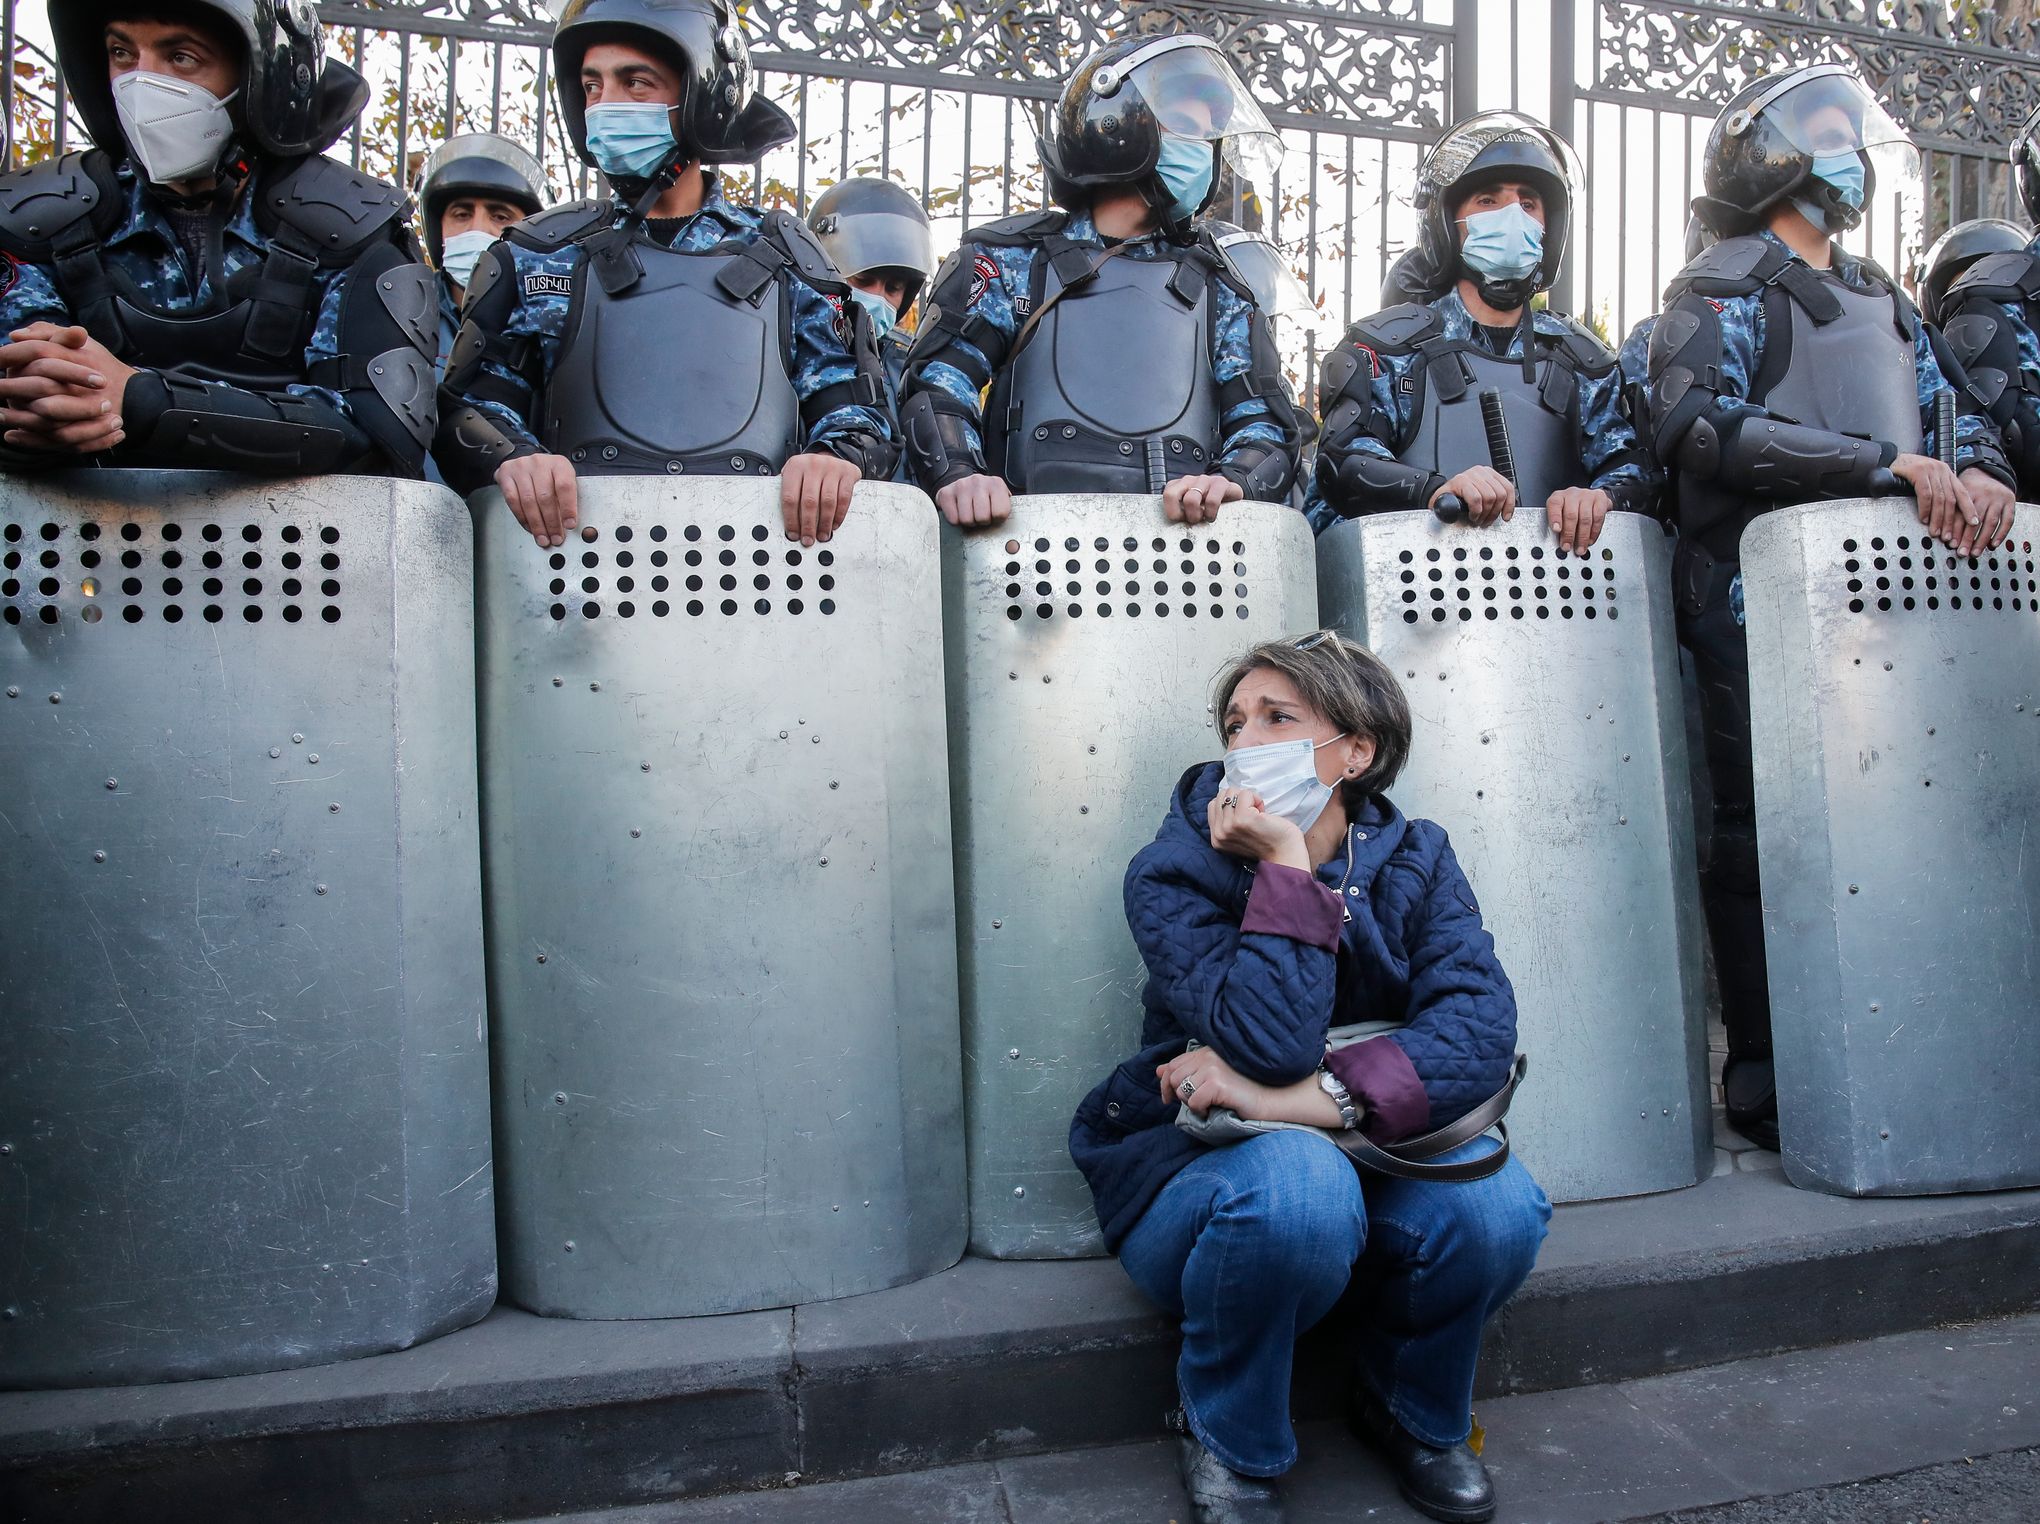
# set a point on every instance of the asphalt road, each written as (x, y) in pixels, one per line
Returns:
(1998, 1489)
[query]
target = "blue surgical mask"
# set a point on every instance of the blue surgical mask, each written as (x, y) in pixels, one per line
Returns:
(883, 313)
(630, 138)
(461, 253)
(1185, 168)
(1844, 171)
(1504, 244)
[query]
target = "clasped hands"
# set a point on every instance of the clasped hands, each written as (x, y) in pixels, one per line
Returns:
(61, 391)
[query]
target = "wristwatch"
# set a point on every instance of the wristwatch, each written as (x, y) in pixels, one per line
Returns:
(1349, 1116)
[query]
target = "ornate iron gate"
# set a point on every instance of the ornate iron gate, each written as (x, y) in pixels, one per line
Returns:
(943, 95)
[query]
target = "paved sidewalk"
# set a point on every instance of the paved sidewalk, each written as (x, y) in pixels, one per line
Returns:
(1759, 1429)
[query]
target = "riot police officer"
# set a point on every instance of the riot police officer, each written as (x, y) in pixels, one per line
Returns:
(1402, 395)
(473, 187)
(599, 337)
(1992, 316)
(203, 289)
(877, 234)
(1122, 352)
(1784, 370)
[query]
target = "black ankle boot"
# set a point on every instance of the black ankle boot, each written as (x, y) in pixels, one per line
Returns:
(1449, 1484)
(1218, 1494)
(1751, 1100)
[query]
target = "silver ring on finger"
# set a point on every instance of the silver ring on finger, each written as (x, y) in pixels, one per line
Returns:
(1187, 1089)
(1227, 802)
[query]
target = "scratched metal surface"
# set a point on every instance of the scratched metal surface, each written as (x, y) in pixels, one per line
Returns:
(721, 909)
(1550, 743)
(1073, 712)
(243, 1079)
(1895, 703)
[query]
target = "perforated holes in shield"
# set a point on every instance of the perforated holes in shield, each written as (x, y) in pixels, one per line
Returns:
(697, 570)
(1181, 576)
(1479, 581)
(211, 572)
(1911, 573)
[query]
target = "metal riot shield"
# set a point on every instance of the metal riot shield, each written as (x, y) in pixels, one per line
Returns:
(720, 901)
(1895, 709)
(244, 1115)
(1083, 635)
(1550, 742)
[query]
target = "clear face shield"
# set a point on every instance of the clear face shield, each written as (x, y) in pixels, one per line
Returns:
(1262, 269)
(1829, 115)
(1449, 161)
(1195, 94)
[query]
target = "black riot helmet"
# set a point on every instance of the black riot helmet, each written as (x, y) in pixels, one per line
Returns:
(1107, 126)
(719, 119)
(293, 99)
(2026, 164)
(1484, 150)
(480, 164)
(1959, 248)
(869, 225)
(1762, 149)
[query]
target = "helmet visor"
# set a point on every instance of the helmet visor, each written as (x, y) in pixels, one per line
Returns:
(485, 145)
(1449, 162)
(1194, 93)
(1262, 269)
(1827, 110)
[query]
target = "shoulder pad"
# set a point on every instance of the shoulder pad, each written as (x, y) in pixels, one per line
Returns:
(557, 226)
(797, 241)
(331, 208)
(44, 201)
(1582, 345)
(2013, 276)
(1400, 327)
(1734, 266)
(1026, 228)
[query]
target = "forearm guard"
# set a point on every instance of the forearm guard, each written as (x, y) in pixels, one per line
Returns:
(1360, 482)
(873, 456)
(940, 449)
(471, 444)
(1262, 471)
(1769, 458)
(173, 423)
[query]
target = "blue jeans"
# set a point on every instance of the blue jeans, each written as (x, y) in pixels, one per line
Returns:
(1252, 1244)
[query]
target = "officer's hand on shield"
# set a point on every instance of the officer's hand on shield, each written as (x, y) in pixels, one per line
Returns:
(1196, 499)
(814, 494)
(1945, 503)
(1241, 826)
(1996, 504)
(1487, 494)
(542, 492)
(1576, 515)
(972, 500)
(61, 390)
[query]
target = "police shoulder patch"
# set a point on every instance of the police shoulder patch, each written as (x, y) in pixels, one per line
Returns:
(839, 318)
(983, 271)
(547, 283)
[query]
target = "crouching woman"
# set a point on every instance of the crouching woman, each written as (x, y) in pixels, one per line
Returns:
(1285, 896)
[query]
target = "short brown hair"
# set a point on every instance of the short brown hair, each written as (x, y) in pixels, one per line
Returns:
(1343, 681)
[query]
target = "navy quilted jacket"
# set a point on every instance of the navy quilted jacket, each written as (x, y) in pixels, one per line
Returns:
(1258, 961)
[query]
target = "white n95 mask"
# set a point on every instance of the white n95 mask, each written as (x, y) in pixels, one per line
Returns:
(177, 130)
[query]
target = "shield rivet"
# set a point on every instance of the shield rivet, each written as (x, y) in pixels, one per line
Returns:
(275, 752)
(782, 735)
(1012, 1053)
(825, 862)
(1887, 666)
(56, 698)
(568, 1246)
(313, 758)
(297, 740)
(814, 740)
(332, 809)
(1855, 889)
(12, 691)
(99, 857)
(1083, 809)
(559, 682)
(834, 784)
(113, 783)
(1019, 1190)
(997, 924)
(644, 767)
(318, 888)
(635, 833)
(541, 957)
(559, 1097)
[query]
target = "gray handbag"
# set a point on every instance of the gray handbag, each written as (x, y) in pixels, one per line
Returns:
(1407, 1160)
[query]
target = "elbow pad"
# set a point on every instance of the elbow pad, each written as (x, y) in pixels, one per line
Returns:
(939, 445)
(1262, 471)
(201, 427)
(1770, 458)
(1368, 484)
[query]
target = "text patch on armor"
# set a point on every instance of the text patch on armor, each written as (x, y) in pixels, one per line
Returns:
(540, 283)
(983, 271)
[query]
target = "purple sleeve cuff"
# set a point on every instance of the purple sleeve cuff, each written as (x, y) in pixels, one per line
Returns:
(1381, 1078)
(1289, 902)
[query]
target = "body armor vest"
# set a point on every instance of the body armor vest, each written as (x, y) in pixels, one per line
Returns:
(674, 375)
(1114, 390)
(1857, 374)
(1451, 434)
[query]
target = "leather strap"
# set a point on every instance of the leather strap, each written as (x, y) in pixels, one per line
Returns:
(1084, 278)
(1408, 1160)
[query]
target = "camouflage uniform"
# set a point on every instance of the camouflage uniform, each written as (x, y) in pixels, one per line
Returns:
(1387, 387)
